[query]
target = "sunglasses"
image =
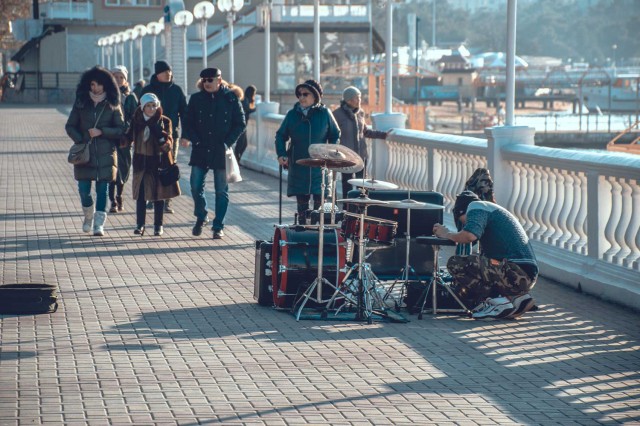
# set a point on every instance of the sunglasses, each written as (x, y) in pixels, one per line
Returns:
(303, 94)
(209, 80)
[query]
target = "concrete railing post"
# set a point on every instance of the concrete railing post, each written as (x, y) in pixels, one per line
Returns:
(498, 137)
(379, 155)
(262, 132)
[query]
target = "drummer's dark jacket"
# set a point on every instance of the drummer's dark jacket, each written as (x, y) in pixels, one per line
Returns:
(318, 126)
(214, 122)
(354, 130)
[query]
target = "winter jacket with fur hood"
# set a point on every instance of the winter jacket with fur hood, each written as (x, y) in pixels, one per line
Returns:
(106, 116)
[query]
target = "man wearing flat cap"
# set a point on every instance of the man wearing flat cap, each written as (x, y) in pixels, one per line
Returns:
(174, 104)
(214, 122)
(354, 130)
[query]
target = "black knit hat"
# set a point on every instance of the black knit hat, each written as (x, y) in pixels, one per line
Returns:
(210, 73)
(462, 202)
(313, 86)
(161, 66)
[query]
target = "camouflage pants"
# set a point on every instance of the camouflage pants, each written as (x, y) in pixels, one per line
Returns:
(477, 277)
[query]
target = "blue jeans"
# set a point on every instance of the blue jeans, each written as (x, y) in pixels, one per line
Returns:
(198, 175)
(102, 193)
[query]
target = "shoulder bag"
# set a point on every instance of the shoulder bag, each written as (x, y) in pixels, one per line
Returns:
(79, 153)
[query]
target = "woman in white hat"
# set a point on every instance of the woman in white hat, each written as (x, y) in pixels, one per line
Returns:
(151, 133)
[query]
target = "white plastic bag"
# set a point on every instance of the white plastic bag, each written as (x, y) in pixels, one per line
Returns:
(231, 164)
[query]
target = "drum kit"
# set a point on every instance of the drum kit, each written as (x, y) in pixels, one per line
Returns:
(337, 286)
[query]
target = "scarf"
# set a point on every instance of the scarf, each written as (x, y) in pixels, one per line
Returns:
(97, 98)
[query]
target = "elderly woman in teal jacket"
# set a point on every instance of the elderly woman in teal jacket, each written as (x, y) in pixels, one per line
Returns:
(308, 122)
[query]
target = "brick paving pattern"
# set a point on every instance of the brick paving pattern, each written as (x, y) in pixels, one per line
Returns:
(164, 330)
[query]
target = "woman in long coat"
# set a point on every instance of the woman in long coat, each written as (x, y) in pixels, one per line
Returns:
(96, 117)
(129, 105)
(308, 122)
(151, 133)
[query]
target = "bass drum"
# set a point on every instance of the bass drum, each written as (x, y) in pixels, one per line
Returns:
(295, 263)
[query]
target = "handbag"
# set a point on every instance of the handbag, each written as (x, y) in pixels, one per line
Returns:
(28, 299)
(79, 153)
(168, 175)
(231, 167)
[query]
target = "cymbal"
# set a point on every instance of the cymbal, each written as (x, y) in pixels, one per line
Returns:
(372, 184)
(337, 152)
(365, 201)
(325, 162)
(413, 205)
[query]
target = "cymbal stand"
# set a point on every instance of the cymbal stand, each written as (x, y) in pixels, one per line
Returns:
(407, 270)
(320, 280)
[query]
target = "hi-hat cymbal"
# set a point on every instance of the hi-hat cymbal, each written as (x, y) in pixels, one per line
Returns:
(332, 164)
(413, 204)
(366, 201)
(337, 152)
(372, 184)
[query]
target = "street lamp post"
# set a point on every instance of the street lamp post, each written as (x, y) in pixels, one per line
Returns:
(154, 28)
(183, 19)
(126, 37)
(119, 40)
(614, 48)
(417, 63)
(101, 45)
(266, 10)
(141, 31)
(109, 50)
(203, 11)
(230, 7)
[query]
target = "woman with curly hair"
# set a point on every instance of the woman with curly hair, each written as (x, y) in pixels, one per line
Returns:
(96, 118)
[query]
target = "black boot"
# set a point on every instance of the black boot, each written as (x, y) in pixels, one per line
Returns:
(158, 230)
(119, 203)
(139, 230)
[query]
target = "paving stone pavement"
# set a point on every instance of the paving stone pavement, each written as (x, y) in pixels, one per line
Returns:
(164, 330)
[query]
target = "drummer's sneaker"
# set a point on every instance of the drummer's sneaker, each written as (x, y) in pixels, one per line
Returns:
(493, 308)
(521, 305)
(197, 228)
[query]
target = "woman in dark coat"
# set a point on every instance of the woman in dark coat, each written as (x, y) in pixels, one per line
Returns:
(129, 105)
(308, 122)
(248, 107)
(96, 116)
(151, 133)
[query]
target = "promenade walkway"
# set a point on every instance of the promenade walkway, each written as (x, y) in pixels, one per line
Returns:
(164, 330)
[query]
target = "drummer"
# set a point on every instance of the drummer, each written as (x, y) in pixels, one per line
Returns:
(308, 122)
(354, 130)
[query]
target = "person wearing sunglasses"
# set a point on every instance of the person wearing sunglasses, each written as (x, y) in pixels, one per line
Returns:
(308, 122)
(214, 122)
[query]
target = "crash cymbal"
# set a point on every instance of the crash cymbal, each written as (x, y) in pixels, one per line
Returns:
(372, 184)
(337, 152)
(413, 204)
(326, 162)
(365, 201)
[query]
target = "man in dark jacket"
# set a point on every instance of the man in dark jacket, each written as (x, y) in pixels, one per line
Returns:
(213, 123)
(174, 104)
(354, 130)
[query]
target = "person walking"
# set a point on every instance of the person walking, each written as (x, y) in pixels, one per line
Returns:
(353, 130)
(96, 118)
(308, 122)
(152, 138)
(214, 122)
(174, 104)
(248, 107)
(129, 103)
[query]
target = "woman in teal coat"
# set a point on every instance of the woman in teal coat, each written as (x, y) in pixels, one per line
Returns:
(308, 122)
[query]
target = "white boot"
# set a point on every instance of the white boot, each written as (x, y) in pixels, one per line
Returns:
(88, 219)
(98, 223)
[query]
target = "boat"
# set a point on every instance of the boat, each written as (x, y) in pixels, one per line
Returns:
(625, 96)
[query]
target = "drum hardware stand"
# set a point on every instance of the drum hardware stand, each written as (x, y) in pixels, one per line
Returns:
(437, 280)
(407, 269)
(320, 280)
(366, 291)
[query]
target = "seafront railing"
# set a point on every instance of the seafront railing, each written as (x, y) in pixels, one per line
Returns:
(581, 209)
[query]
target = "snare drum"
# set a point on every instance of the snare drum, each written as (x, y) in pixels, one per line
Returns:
(379, 230)
(295, 263)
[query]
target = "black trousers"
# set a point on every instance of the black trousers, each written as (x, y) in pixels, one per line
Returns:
(141, 209)
(303, 205)
(115, 189)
